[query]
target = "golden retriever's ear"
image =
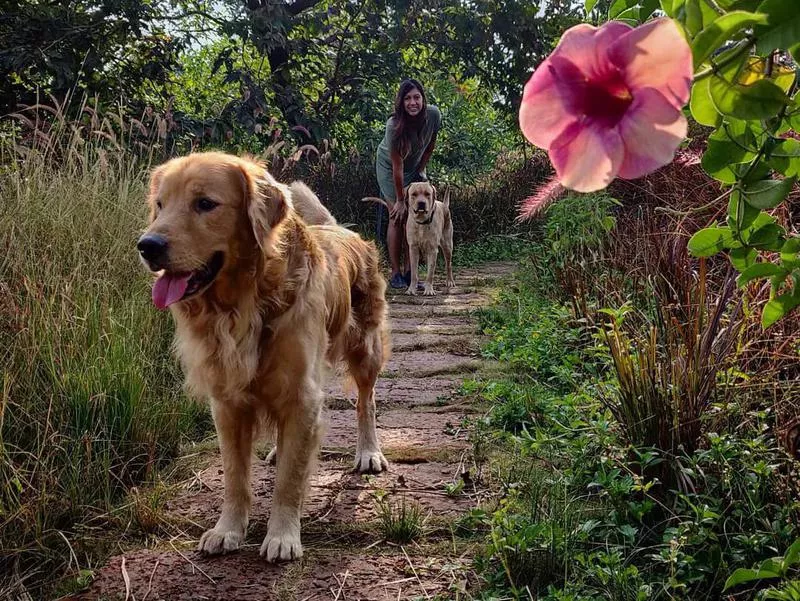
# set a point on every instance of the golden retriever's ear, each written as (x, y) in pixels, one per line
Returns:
(266, 202)
(152, 196)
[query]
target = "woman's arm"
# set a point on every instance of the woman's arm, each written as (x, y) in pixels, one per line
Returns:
(399, 207)
(427, 155)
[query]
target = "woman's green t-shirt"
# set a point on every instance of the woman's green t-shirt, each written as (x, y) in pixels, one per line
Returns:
(383, 161)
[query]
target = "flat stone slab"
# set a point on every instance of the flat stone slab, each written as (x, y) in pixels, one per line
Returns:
(201, 502)
(428, 363)
(400, 391)
(438, 325)
(401, 429)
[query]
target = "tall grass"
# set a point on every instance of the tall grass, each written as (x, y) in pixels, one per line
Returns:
(90, 400)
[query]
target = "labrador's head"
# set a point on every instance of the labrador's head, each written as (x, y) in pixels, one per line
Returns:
(209, 213)
(421, 198)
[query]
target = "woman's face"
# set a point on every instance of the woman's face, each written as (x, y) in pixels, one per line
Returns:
(412, 102)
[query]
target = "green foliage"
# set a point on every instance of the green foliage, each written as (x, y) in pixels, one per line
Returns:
(90, 396)
(619, 478)
(401, 521)
(769, 569)
(585, 515)
(539, 347)
(493, 248)
(577, 227)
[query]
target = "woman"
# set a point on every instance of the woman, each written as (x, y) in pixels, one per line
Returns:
(401, 159)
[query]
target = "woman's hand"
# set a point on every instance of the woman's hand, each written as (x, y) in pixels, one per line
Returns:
(398, 210)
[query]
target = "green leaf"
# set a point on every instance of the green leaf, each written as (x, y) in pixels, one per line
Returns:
(768, 237)
(630, 14)
(760, 100)
(768, 193)
(782, 30)
(720, 157)
(703, 109)
(648, 8)
(721, 30)
(774, 310)
(739, 4)
(785, 158)
(760, 270)
(740, 214)
(619, 6)
(709, 241)
(742, 258)
(671, 7)
(792, 555)
(590, 5)
(743, 575)
(698, 15)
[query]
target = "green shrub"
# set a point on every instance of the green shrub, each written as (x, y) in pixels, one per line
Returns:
(91, 401)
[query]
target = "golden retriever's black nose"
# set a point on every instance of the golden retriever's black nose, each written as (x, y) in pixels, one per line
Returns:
(152, 247)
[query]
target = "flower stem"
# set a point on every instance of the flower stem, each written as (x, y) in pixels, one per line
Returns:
(745, 45)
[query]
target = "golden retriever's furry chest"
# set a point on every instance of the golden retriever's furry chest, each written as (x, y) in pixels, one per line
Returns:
(220, 356)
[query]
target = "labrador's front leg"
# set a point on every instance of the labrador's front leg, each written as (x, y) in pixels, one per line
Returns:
(432, 255)
(235, 432)
(298, 439)
(413, 258)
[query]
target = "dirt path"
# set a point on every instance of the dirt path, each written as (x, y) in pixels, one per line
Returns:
(346, 557)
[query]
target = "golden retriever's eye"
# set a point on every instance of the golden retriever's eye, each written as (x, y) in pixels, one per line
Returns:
(204, 205)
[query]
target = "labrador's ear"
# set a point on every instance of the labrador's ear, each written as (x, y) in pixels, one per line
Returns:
(266, 202)
(155, 183)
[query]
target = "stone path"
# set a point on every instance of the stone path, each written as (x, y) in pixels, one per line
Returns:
(421, 428)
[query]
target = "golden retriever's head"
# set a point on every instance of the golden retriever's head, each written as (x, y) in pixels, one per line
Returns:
(209, 214)
(421, 198)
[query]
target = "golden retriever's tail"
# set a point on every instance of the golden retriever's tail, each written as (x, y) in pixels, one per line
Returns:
(309, 206)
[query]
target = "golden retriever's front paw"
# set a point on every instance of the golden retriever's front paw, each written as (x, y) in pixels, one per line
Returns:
(429, 291)
(371, 462)
(216, 542)
(284, 546)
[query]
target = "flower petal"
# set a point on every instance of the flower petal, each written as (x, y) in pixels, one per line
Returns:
(651, 130)
(588, 46)
(586, 157)
(548, 102)
(655, 55)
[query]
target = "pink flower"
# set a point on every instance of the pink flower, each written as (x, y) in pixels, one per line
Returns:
(607, 102)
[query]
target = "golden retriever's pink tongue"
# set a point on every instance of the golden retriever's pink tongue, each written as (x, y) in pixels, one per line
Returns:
(169, 289)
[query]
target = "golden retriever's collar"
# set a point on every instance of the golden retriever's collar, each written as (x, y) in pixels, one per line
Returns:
(430, 217)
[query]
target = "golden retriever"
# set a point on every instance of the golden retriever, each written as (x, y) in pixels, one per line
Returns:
(264, 303)
(428, 228)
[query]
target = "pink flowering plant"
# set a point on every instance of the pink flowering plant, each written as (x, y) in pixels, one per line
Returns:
(614, 100)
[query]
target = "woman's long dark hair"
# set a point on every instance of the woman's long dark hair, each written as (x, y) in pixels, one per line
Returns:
(407, 127)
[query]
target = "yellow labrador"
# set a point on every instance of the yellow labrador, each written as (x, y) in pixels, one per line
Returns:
(428, 228)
